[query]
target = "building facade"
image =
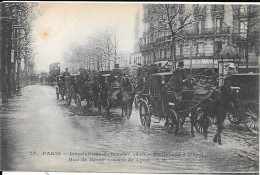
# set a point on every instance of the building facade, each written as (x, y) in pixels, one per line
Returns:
(136, 57)
(213, 27)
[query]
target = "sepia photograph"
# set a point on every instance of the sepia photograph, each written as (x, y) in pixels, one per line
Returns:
(129, 87)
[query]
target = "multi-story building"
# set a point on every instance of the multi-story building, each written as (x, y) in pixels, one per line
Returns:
(136, 57)
(213, 27)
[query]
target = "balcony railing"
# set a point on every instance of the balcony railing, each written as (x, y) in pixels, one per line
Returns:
(189, 33)
(207, 31)
(147, 46)
(161, 39)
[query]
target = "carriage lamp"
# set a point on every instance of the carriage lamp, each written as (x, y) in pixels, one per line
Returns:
(163, 80)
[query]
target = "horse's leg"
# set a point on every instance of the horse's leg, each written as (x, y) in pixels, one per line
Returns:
(205, 120)
(222, 119)
(192, 122)
(217, 137)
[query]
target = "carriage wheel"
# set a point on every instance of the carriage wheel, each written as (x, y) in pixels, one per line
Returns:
(127, 110)
(145, 115)
(251, 116)
(172, 123)
(233, 118)
(77, 100)
(198, 122)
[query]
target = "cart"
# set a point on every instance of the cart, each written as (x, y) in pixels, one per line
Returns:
(248, 95)
(154, 104)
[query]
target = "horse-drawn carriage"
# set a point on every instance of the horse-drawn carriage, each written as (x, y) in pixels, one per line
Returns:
(198, 102)
(81, 89)
(248, 97)
(115, 89)
(54, 71)
(60, 88)
(154, 104)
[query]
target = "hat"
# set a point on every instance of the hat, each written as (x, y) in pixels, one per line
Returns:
(181, 63)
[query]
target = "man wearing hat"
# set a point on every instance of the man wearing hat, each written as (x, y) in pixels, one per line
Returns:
(231, 69)
(177, 82)
(66, 73)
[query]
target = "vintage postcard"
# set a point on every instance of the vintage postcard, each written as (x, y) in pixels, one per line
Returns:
(133, 87)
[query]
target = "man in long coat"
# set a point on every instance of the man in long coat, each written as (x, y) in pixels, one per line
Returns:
(178, 81)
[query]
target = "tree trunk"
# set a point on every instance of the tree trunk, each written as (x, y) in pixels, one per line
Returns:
(9, 64)
(247, 46)
(246, 56)
(174, 52)
(4, 56)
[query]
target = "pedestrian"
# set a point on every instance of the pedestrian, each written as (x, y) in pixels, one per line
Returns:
(66, 73)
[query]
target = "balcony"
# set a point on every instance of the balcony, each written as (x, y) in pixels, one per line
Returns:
(240, 37)
(147, 46)
(161, 39)
(207, 32)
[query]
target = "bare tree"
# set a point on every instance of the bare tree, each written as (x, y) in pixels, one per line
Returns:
(100, 49)
(247, 21)
(169, 18)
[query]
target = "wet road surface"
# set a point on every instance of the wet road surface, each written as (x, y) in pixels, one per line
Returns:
(39, 132)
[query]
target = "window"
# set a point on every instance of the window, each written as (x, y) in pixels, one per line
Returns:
(242, 10)
(218, 46)
(218, 24)
(243, 29)
(199, 27)
(181, 49)
(200, 49)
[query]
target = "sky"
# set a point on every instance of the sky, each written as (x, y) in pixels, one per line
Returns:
(60, 25)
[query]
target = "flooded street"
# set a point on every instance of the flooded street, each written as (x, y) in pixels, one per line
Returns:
(42, 133)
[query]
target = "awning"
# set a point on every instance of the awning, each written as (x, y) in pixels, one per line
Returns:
(200, 63)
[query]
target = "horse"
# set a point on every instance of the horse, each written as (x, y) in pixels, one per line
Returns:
(216, 103)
